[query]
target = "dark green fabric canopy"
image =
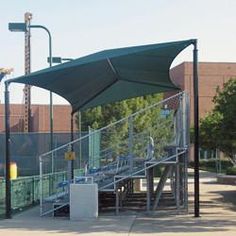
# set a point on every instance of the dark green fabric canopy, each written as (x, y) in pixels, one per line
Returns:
(110, 75)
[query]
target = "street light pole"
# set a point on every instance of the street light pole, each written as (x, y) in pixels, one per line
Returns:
(23, 27)
(71, 163)
(50, 65)
(50, 40)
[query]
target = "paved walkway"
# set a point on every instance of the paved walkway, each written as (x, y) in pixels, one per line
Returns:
(218, 217)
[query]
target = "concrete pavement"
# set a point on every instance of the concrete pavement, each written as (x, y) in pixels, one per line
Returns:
(218, 217)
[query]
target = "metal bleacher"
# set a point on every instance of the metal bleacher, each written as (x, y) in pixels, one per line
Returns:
(124, 160)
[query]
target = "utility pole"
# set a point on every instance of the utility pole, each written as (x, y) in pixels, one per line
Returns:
(27, 88)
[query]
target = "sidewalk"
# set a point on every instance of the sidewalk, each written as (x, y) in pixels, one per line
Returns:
(218, 217)
(218, 214)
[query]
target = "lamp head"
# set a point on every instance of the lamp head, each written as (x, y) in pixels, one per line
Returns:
(17, 27)
(55, 60)
(28, 16)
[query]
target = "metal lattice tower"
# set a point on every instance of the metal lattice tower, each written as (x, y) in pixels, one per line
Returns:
(27, 88)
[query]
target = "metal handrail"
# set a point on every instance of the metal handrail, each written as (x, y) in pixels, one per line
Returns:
(112, 124)
(145, 168)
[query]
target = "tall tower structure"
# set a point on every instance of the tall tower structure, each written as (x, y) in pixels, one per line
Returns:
(27, 88)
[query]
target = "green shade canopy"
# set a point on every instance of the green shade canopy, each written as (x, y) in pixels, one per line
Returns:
(111, 75)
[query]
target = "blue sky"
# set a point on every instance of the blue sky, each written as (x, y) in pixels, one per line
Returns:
(80, 27)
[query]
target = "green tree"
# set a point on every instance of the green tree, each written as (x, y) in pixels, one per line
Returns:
(145, 124)
(101, 116)
(218, 129)
(209, 129)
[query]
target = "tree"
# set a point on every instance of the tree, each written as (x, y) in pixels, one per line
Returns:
(145, 124)
(209, 129)
(101, 116)
(218, 128)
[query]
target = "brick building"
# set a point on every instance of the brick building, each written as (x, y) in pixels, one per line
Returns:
(40, 118)
(211, 75)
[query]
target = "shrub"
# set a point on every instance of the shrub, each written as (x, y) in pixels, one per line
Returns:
(210, 165)
(231, 171)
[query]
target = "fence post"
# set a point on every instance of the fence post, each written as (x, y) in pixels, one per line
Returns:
(41, 184)
(130, 142)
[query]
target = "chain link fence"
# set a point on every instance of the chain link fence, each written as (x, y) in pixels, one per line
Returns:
(25, 151)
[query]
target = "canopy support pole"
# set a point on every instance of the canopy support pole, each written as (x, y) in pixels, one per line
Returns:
(7, 154)
(196, 130)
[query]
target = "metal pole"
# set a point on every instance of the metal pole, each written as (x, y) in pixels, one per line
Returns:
(50, 64)
(117, 199)
(187, 143)
(151, 173)
(41, 184)
(148, 193)
(130, 142)
(7, 154)
(72, 146)
(177, 183)
(80, 135)
(196, 130)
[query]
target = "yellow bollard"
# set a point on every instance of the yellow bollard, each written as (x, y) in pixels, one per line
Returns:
(13, 170)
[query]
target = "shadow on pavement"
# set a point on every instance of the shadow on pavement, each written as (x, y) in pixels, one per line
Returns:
(181, 225)
(228, 198)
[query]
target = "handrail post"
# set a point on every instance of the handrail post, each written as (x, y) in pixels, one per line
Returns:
(72, 145)
(130, 142)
